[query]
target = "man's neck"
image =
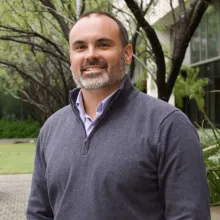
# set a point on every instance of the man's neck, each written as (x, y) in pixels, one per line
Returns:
(92, 98)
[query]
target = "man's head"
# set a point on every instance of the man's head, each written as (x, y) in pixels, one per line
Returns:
(99, 50)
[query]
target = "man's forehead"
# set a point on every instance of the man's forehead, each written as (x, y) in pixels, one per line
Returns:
(95, 20)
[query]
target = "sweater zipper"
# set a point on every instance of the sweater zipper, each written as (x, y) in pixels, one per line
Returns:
(85, 147)
(103, 115)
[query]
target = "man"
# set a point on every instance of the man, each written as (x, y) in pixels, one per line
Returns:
(114, 152)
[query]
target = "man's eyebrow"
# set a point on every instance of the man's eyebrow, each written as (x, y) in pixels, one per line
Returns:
(104, 39)
(78, 42)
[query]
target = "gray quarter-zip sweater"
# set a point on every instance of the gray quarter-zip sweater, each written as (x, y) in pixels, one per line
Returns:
(142, 161)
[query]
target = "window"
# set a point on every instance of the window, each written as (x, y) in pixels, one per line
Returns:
(212, 99)
(217, 101)
(203, 40)
(195, 47)
(205, 43)
(212, 32)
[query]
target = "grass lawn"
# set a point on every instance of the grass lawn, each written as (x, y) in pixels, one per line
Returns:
(17, 158)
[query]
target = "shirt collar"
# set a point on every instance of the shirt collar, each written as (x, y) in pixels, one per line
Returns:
(100, 109)
(80, 105)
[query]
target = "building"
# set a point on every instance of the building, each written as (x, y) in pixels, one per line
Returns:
(203, 52)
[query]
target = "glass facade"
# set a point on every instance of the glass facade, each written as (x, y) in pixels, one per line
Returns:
(212, 99)
(212, 29)
(205, 43)
(205, 53)
(195, 47)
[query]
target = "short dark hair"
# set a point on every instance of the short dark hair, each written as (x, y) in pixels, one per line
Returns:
(123, 31)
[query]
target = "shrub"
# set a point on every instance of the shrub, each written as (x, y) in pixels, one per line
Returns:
(210, 140)
(18, 129)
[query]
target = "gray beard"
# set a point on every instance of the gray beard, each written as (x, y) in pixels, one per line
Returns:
(102, 80)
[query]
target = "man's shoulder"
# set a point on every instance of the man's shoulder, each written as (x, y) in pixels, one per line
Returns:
(63, 112)
(162, 113)
(155, 106)
(58, 117)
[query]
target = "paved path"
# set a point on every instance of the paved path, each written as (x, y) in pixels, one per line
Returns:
(17, 140)
(14, 192)
(215, 212)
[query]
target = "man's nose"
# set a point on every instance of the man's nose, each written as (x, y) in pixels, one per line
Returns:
(91, 53)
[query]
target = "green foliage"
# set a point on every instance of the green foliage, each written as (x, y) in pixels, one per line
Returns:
(141, 80)
(211, 151)
(190, 86)
(98, 5)
(18, 129)
(11, 107)
(208, 136)
(213, 174)
(34, 51)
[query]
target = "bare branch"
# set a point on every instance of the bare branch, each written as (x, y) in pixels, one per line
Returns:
(60, 18)
(33, 34)
(71, 10)
(196, 16)
(83, 7)
(27, 76)
(135, 38)
(191, 9)
(154, 41)
(50, 74)
(31, 101)
(183, 39)
(141, 5)
(134, 42)
(149, 6)
(41, 47)
(145, 67)
(67, 12)
(66, 89)
(182, 12)
(28, 100)
(174, 28)
(173, 12)
(123, 12)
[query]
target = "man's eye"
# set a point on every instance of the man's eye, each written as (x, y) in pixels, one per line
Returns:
(80, 47)
(103, 45)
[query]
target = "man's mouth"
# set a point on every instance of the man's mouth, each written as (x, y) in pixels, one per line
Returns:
(92, 69)
(93, 66)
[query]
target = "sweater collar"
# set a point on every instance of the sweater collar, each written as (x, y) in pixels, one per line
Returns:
(122, 96)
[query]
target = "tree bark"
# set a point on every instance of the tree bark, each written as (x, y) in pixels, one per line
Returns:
(185, 27)
(135, 37)
(52, 10)
(184, 34)
(155, 44)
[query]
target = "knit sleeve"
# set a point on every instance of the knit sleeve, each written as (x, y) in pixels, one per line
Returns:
(38, 204)
(181, 171)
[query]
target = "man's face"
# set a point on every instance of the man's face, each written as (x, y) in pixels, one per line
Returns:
(97, 56)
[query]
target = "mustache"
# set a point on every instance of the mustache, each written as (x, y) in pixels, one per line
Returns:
(94, 62)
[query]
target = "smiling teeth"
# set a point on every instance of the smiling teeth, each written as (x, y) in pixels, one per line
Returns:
(88, 69)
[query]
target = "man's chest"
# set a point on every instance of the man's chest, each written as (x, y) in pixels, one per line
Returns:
(117, 157)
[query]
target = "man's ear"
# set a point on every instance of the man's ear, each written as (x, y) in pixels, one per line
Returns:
(128, 52)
